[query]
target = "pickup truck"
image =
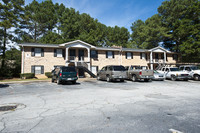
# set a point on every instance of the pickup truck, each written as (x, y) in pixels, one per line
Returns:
(138, 73)
(174, 73)
(193, 70)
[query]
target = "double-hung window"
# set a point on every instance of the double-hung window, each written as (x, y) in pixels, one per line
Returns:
(129, 55)
(143, 56)
(37, 52)
(58, 52)
(94, 54)
(110, 54)
(37, 69)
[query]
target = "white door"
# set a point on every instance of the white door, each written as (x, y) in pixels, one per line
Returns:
(94, 69)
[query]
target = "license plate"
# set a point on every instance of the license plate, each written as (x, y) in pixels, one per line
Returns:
(69, 78)
(120, 76)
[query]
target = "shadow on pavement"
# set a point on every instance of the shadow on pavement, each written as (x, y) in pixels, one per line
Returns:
(4, 85)
(69, 83)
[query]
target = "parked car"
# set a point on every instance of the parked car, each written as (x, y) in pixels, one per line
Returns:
(112, 73)
(64, 74)
(139, 73)
(193, 70)
(174, 73)
(158, 76)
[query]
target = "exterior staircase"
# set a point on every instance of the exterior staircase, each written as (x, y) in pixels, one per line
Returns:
(84, 66)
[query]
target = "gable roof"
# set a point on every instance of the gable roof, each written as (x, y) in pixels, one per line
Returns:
(161, 48)
(77, 41)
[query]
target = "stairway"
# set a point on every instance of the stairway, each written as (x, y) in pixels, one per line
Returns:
(84, 66)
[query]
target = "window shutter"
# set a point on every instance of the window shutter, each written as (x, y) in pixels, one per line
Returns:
(32, 52)
(126, 55)
(32, 69)
(96, 54)
(166, 57)
(55, 52)
(106, 54)
(42, 52)
(146, 56)
(97, 68)
(113, 54)
(42, 69)
(173, 56)
(63, 53)
(131, 55)
(140, 55)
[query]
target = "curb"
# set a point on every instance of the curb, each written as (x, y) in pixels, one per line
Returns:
(12, 82)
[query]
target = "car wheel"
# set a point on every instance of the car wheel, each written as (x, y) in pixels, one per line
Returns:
(58, 81)
(146, 80)
(122, 80)
(134, 78)
(52, 80)
(196, 77)
(108, 78)
(74, 82)
(173, 78)
(98, 77)
(185, 79)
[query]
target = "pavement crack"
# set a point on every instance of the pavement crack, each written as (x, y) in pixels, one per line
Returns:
(4, 125)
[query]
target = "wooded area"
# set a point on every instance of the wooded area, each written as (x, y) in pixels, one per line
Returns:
(175, 27)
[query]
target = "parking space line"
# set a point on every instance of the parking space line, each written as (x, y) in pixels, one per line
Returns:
(175, 131)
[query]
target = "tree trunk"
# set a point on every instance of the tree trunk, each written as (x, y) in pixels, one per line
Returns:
(4, 48)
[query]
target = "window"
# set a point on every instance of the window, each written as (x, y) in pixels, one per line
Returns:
(129, 55)
(110, 54)
(37, 69)
(175, 57)
(143, 56)
(59, 53)
(94, 54)
(187, 69)
(38, 52)
(181, 68)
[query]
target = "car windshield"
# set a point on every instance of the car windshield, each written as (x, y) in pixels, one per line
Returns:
(68, 69)
(119, 68)
(174, 69)
(155, 72)
(194, 68)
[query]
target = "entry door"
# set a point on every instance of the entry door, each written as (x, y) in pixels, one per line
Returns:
(80, 54)
(94, 69)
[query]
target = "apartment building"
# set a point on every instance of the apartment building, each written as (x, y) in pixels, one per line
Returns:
(41, 58)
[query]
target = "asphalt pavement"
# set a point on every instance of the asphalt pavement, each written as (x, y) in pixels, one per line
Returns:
(92, 106)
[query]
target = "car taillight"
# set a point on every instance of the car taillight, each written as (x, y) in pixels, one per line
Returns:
(77, 74)
(60, 74)
(140, 73)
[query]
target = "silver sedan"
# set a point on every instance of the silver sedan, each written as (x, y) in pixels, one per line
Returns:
(158, 76)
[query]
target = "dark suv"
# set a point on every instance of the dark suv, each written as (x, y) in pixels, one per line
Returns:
(64, 74)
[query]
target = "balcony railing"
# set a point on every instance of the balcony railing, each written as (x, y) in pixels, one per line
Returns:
(77, 58)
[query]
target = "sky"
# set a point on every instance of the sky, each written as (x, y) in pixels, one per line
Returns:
(113, 12)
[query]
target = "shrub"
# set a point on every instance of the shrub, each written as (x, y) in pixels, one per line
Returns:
(48, 74)
(27, 75)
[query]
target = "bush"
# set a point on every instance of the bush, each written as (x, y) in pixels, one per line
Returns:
(27, 75)
(48, 74)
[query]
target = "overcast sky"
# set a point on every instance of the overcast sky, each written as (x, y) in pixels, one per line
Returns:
(113, 12)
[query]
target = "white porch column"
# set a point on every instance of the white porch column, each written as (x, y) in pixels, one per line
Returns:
(164, 57)
(89, 68)
(151, 60)
(22, 64)
(66, 56)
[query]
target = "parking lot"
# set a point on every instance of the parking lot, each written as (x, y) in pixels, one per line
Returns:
(97, 106)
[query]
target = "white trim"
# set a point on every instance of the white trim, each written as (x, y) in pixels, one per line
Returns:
(159, 48)
(77, 41)
(22, 70)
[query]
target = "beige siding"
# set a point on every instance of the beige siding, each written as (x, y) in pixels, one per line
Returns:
(48, 61)
(135, 61)
(103, 61)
